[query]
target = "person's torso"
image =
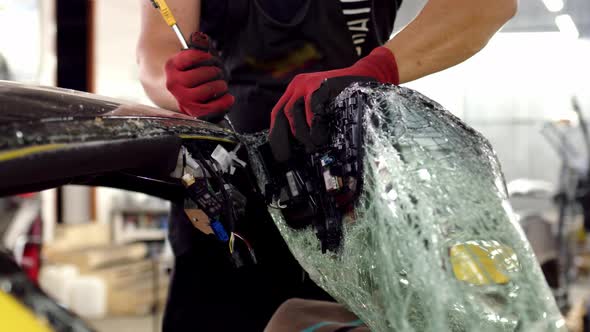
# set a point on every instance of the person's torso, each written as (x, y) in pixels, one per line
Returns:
(265, 43)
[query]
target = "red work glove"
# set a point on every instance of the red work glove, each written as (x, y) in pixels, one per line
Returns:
(195, 78)
(294, 114)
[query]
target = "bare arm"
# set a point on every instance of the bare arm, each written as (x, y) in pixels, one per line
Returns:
(157, 43)
(447, 32)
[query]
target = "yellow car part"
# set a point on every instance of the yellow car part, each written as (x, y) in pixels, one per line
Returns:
(17, 317)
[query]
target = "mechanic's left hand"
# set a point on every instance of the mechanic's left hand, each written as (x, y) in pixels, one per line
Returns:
(308, 94)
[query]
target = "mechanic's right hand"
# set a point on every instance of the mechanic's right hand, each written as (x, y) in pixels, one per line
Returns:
(195, 78)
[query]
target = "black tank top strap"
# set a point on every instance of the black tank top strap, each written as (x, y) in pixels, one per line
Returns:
(234, 16)
(383, 15)
(296, 18)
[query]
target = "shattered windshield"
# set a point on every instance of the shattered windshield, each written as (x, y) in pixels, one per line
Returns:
(432, 244)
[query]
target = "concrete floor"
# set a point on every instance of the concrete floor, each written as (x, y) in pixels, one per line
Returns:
(127, 324)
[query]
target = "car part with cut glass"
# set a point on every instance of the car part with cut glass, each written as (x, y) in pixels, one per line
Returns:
(432, 244)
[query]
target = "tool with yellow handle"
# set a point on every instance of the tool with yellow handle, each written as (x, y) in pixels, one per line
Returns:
(162, 6)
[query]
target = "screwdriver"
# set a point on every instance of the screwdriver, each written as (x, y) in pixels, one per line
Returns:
(170, 20)
(162, 6)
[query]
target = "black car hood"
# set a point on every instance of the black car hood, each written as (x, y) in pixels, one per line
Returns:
(32, 115)
(51, 136)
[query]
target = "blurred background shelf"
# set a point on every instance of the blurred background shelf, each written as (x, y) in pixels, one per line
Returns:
(139, 220)
(142, 235)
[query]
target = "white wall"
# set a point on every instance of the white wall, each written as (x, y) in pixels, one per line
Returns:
(510, 89)
(27, 39)
(117, 26)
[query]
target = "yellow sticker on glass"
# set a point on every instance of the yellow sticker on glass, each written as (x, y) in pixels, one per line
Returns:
(483, 262)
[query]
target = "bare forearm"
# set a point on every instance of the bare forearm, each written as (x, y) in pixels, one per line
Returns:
(157, 43)
(153, 79)
(446, 33)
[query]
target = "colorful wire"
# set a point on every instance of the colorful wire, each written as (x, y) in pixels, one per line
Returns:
(231, 243)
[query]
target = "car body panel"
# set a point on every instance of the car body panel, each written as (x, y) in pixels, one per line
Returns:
(52, 136)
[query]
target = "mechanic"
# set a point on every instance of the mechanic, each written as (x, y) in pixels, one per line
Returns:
(274, 54)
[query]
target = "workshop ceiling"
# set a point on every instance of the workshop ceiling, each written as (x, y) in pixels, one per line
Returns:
(532, 16)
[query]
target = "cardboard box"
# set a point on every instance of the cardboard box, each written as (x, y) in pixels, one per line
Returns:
(93, 258)
(78, 236)
(123, 275)
(130, 287)
(136, 299)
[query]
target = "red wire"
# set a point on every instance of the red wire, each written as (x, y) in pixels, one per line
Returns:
(243, 239)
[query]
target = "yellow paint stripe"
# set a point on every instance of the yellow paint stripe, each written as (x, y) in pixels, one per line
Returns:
(209, 138)
(23, 152)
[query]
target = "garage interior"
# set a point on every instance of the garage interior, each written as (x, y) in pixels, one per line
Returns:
(103, 253)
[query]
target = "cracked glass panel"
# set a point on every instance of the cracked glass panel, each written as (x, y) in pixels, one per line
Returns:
(432, 244)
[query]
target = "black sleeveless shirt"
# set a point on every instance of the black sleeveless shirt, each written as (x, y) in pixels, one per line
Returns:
(265, 43)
